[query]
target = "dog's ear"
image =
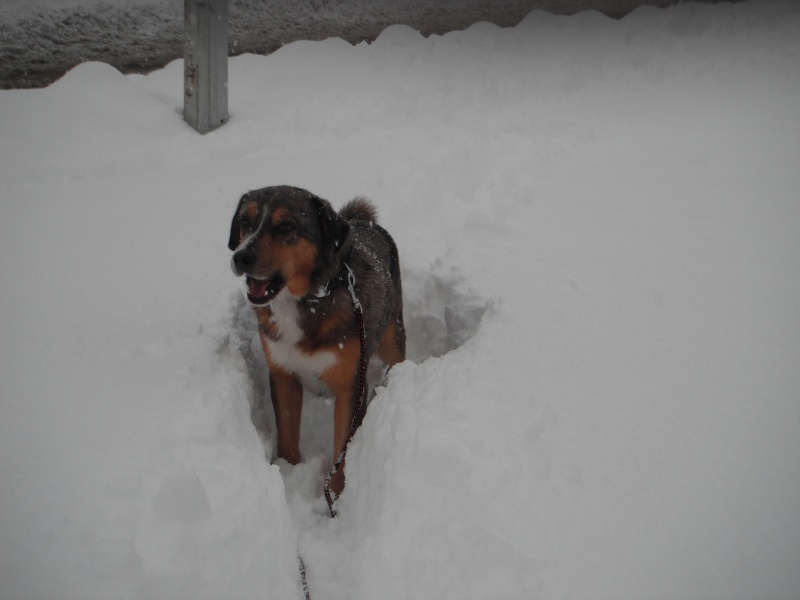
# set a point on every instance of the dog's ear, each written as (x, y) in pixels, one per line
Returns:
(333, 229)
(233, 241)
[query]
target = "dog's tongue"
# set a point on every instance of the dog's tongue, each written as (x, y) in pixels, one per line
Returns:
(258, 287)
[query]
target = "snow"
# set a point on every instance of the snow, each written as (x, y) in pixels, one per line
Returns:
(597, 222)
(40, 40)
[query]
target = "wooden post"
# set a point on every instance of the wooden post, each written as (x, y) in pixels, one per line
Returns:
(205, 73)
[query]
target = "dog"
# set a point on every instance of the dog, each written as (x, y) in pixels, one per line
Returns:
(296, 254)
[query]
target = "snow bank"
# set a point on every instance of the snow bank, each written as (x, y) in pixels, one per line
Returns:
(40, 40)
(597, 222)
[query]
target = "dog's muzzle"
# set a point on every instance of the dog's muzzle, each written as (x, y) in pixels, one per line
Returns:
(243, 260)
(261, 291)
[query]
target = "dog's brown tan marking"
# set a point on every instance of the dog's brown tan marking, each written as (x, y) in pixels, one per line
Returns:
(295, 261)
(339, 379)
(251, 211)
(296, 252)
(279, 216)
(266, 326)
(391, 350)
(287, 402)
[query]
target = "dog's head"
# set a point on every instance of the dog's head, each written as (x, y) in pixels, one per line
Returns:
(282, 237)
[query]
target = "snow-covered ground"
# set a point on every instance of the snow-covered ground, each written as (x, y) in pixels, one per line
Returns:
(599, 225)
(41, 39)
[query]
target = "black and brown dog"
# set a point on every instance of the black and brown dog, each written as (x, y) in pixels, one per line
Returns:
(296, 253)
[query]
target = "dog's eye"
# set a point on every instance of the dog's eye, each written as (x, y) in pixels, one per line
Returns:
(284, 228)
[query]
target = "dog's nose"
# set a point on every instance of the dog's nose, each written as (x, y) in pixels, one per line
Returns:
(242, 260)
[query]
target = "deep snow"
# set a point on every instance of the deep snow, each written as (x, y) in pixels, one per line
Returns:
(597, 223)
(42, 39)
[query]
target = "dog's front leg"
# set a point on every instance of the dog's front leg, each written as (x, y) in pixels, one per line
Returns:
(287, 400)
(343, 382)
(342, 418)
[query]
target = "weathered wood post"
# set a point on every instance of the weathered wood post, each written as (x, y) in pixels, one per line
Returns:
(205, 74)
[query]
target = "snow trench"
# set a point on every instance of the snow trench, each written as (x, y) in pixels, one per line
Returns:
(441, 313)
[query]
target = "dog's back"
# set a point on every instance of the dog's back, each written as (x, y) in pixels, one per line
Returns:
(375, 262)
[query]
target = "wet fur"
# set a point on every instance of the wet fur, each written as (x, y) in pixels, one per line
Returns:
(308, 329)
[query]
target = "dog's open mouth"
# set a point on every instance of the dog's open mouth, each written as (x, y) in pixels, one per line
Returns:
(261, 291)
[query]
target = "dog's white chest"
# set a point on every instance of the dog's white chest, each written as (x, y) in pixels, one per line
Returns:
(285, 352)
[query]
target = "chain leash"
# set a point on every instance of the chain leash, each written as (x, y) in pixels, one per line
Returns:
(357, 416)
(362, 377)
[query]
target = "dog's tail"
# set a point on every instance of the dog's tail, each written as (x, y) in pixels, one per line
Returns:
(359, 209)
